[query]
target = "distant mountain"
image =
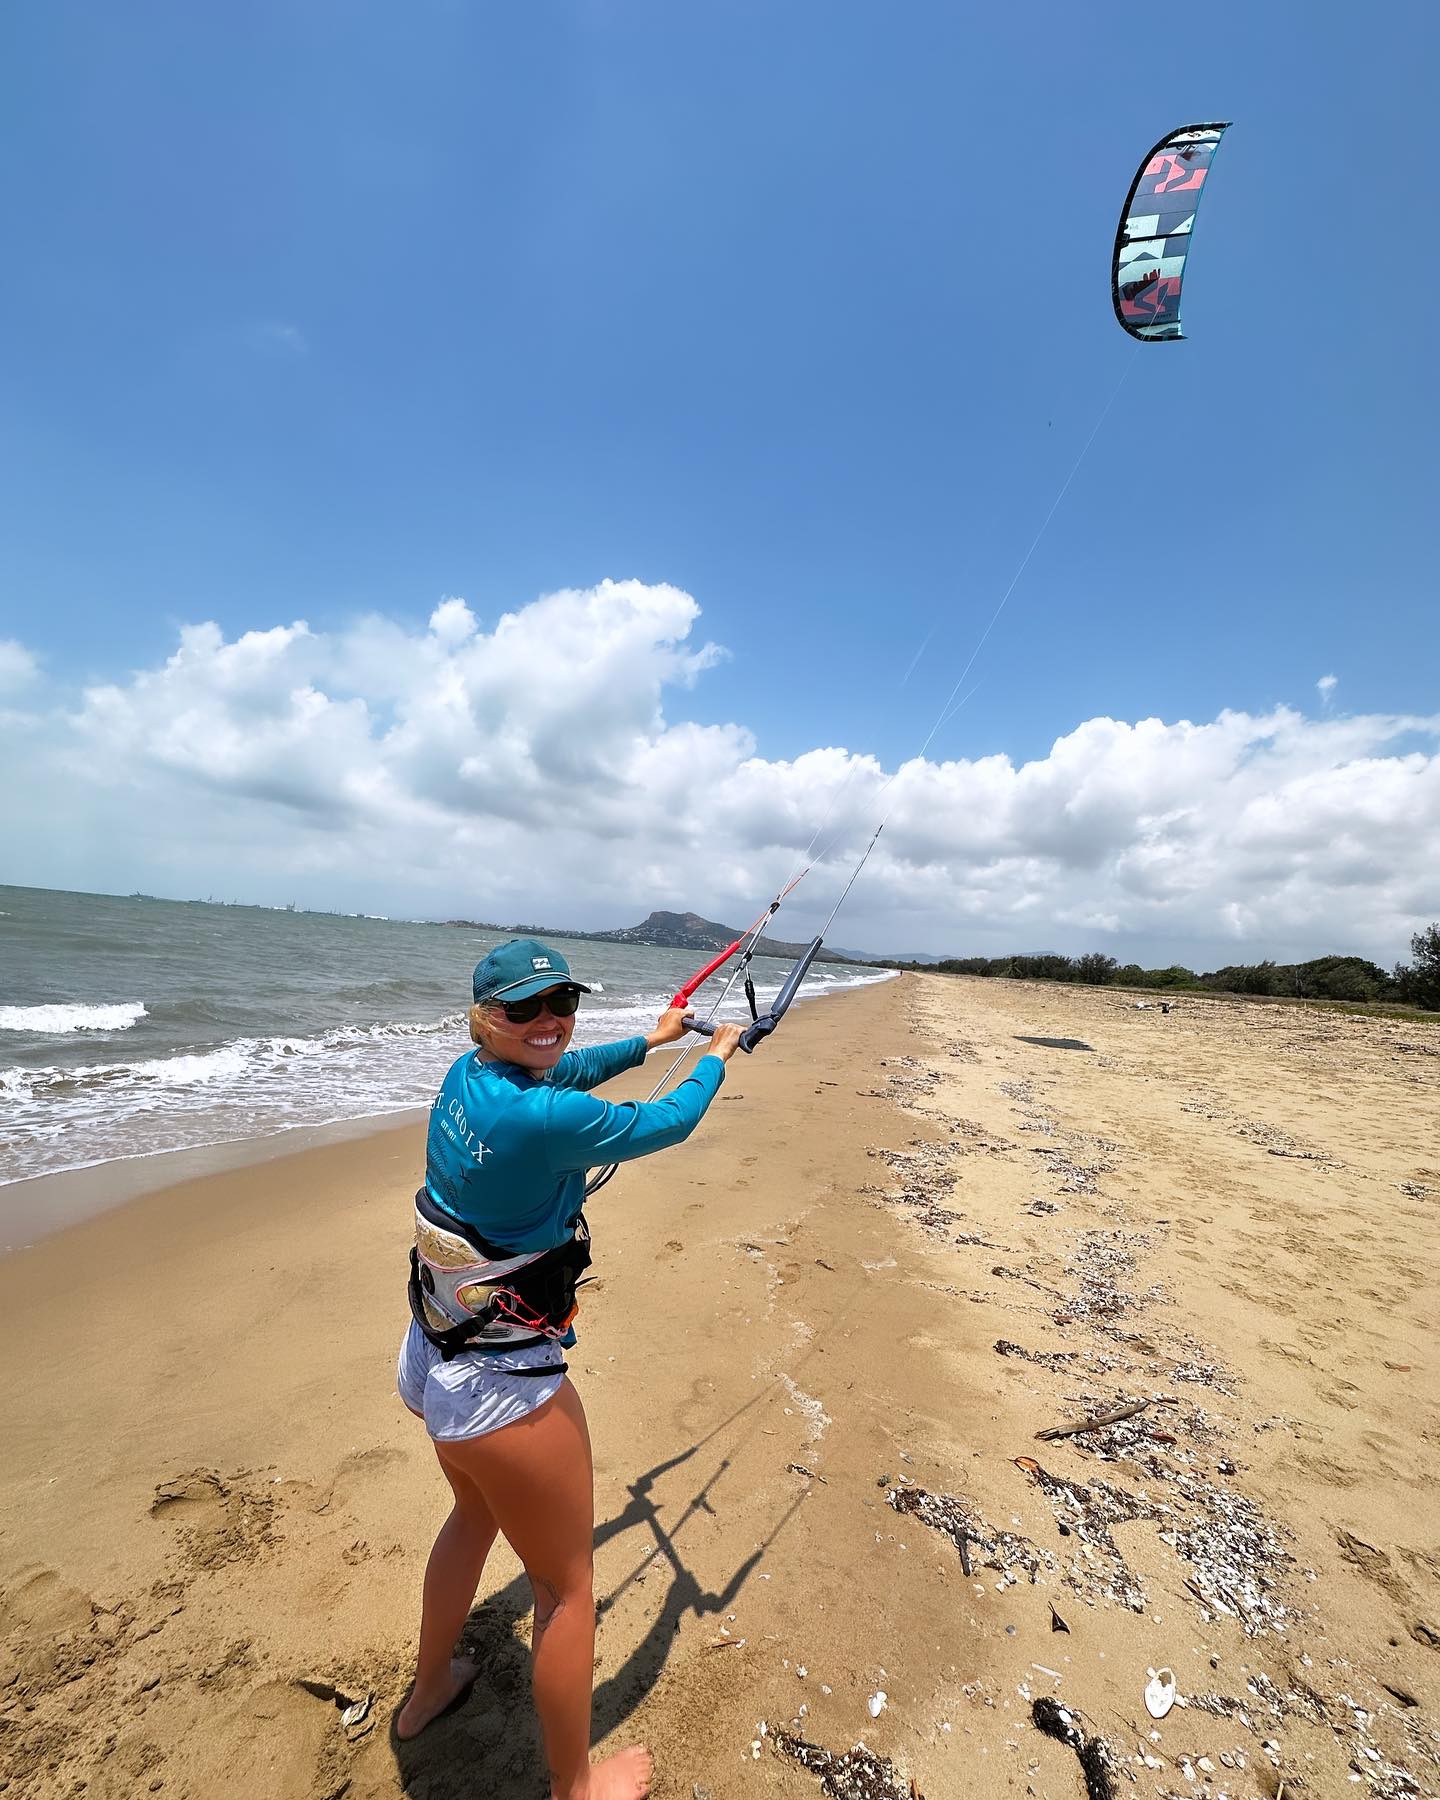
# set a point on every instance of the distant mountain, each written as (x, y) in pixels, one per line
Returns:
(670, 931)
(688, 931)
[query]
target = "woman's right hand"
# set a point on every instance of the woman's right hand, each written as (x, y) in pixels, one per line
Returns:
(725, 1041)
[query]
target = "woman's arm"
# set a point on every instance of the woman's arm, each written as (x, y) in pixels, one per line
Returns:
(583, 1132)
(585, 1069)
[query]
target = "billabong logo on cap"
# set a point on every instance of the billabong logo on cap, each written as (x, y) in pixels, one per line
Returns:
(539, 962)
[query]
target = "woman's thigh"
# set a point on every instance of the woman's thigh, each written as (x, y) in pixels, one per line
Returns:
(537, 1480)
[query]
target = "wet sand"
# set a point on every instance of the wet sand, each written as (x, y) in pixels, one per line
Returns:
(929, 1220)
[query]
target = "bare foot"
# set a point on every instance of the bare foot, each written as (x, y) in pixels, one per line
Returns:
(424, 1706)
(624, 1776)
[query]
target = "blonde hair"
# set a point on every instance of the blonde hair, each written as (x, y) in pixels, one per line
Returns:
(477, 1013)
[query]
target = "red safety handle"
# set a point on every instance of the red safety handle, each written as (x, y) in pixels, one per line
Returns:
(682, 998)
(750, 936)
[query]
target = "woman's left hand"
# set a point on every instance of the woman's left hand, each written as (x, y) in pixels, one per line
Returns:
(670, 1029)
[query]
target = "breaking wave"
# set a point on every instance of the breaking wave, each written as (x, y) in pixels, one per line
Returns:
(44, 1020)
(72, 1116)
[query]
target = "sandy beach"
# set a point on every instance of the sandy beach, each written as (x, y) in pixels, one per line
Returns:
(930, 1220)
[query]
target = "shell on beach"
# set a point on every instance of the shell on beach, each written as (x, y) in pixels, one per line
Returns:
(1160, 1693)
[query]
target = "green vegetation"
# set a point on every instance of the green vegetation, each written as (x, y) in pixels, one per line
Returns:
(1419, 982)
(1349, 979)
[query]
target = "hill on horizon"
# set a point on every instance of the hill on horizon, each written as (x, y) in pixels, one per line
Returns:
(689, 931)
(668, 931)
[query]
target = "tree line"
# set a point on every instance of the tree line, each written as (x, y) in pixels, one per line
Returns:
(1416, 983)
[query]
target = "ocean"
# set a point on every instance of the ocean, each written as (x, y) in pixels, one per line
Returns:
(132, 1026)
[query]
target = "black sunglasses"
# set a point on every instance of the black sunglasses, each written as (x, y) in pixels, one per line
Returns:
(560, 1003)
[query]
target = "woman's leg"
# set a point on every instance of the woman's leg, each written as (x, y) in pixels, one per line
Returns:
(452, 1575)
(537, 1481)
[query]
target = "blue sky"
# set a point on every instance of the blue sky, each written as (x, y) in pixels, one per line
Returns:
(322, 310)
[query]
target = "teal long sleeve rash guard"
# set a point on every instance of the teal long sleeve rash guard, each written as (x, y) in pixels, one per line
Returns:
(507, 1151)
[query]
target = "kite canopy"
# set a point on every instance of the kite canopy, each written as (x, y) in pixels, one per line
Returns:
(1154, 236)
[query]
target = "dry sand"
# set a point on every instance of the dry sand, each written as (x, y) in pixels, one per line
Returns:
(214, 1512)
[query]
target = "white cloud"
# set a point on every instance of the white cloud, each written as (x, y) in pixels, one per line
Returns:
(541, 766)
(18, 666)
(1326, 686)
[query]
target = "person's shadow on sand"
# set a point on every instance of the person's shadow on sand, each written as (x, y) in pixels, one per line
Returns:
(492, 1745)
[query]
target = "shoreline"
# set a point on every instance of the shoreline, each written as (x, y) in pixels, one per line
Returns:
(64, 1198)
(37, 1206)
(825, 1334)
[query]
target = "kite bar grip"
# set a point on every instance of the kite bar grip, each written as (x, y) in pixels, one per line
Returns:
(756, 1034)
(706, 1027)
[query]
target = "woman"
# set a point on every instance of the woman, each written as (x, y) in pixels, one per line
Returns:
(499, 1245)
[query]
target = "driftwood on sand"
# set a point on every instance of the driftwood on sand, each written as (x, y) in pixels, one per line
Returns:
(1113, 1417)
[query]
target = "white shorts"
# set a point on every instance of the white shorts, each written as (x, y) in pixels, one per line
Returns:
(474, 1392)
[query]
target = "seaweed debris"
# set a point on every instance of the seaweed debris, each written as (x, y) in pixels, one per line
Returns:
(1096, 1758)
(856, 1774)
(1078, 1177)
(1087, 1514)
(1094, 1362)
(1203, 1374)
(925, 1183)
(1156, 1443)
(1256, 1131)
(1103, 1260)
(1004, 1551)
(914, 1086)
(1236, 1556)
(1044, 1359)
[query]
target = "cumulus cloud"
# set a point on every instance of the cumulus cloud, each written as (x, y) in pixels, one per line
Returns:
(1326, 686)
(541, 766)
(18, 666)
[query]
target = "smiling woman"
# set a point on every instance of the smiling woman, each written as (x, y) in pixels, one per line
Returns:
(500, 1244)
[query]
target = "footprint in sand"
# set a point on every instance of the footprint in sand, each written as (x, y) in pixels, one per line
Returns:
(278, 1739)
(130, 1763)
(49, 1630)
(42, 1604)
(355, 1472)
(1376, 1567)
(218, 1521)
(1391, 1455)
(52, 1636)
(1325, 1469)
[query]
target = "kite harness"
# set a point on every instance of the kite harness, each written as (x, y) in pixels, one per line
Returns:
(468, 1294)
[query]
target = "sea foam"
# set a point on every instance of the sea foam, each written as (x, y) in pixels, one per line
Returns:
(71, 1017)
(66, 1115)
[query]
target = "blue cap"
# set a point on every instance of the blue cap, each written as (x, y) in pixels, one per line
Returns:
(520, 968)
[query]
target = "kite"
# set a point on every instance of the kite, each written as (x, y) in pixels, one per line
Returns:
(1154, 236)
